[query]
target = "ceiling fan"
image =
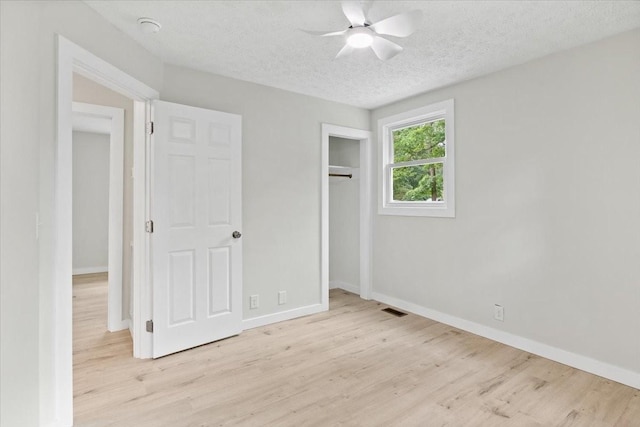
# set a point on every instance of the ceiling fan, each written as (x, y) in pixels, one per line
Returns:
(362, 33)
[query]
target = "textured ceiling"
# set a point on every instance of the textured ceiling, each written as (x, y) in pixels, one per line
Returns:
(261, 41)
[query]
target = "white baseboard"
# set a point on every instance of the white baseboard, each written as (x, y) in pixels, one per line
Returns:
(337, 284)
(574, 360)
(268, 319)
(90, 270)
(120, 326)
(55, 423)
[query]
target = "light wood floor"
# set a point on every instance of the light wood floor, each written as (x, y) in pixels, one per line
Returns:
(352, 366)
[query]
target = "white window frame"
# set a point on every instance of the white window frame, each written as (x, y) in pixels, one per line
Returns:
(386, 126)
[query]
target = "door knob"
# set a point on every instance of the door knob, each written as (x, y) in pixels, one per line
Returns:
(236, 235)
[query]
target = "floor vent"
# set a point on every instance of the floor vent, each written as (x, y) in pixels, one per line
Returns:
(394, 312)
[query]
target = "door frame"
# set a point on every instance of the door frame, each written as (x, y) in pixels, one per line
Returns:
(109, 121)
(72, 58)
(365, 139)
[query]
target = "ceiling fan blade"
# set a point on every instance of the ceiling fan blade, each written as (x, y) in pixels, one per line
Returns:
(366, 5)
(354, 12)
(346, 50)
(385, 49)
(401, 25)
(325, 33)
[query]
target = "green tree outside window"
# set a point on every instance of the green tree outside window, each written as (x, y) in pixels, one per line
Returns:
(419, 182)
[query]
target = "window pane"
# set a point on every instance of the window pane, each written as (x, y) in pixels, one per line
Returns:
(424, 141)
(423, 183)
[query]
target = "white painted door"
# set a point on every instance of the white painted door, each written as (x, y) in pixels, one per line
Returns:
(196, 208)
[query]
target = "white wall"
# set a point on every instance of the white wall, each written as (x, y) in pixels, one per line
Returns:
(344, 216)
(548, 213)
(281, 137)
(90, 202)
(19, 296)
(28, 79)
(85, 90)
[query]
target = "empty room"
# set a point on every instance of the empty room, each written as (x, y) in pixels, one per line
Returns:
(318, 213)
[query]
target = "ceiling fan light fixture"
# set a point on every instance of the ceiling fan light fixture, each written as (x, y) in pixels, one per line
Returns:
(360, 38)
(362, 33)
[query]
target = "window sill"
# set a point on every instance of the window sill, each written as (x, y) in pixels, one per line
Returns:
(437, 211)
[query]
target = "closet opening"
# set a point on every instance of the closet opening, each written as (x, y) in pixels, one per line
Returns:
(346, 211)
(344, 214)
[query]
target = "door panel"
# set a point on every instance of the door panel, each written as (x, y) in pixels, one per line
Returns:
(182, 190)
(181, 282)
(219, 177)
(195, 206)
(219, 284)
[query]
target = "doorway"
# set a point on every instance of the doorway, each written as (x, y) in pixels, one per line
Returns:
(178, 131)
(352, 148)
(98, 198)
(74, 59)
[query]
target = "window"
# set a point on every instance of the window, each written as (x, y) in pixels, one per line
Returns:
(417, 176)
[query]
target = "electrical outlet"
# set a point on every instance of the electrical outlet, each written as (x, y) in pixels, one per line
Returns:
(253, 301)
(498, 312)
(282, 297)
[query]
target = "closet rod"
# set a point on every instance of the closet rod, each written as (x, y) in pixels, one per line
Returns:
(346, 175)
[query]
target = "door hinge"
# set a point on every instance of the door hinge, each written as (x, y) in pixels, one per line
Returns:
(150, 326)
(149, 226)
(150, 128)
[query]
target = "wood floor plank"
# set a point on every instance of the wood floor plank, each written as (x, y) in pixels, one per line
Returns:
(352, 366)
